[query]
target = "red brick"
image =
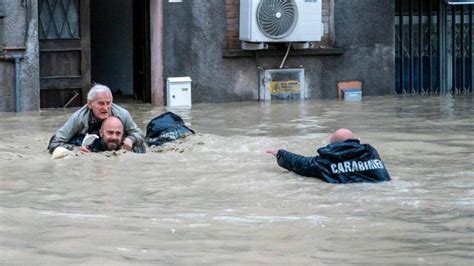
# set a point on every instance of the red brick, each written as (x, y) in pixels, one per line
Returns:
(231, 14)
(232, 26)
(232, 21)
(233, 44)
(232, 33)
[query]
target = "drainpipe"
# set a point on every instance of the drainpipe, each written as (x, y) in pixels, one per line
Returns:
(17, 58)
(16, 54)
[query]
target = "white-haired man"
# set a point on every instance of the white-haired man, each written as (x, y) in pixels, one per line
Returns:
(88, 120)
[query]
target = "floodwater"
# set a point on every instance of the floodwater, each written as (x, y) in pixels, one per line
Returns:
(218, 198)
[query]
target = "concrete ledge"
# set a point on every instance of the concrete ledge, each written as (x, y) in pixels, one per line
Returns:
(267, 53)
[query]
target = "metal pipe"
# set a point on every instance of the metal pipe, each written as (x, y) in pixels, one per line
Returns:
(470, 50)
(443, 47)
(462, 88)
(453, 49)
(430, 56)
(420, 47)
(410, 49)
(17, 57)
(400, 23)
(286, 55)
(438, 32)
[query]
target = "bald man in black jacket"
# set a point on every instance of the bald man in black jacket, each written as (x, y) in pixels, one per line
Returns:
(345, 160)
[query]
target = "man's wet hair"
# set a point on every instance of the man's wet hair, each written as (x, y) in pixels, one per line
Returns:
(97, 89)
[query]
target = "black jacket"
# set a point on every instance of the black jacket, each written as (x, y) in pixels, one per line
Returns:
(97, 146)
(165, 128)
(343, 162)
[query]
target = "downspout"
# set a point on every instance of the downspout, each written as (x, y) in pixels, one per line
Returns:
(17, 58)
(16, 54)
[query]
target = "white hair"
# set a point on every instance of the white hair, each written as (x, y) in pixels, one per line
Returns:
(97, 89)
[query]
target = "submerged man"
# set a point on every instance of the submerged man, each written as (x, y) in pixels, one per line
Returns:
(88, 120)
(111, 136)
(345, 160)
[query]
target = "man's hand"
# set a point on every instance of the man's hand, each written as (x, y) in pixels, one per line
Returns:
(273, 152)
(127, 144)
(84, 149)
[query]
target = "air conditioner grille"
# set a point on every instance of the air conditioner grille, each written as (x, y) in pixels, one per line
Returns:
(277, 18)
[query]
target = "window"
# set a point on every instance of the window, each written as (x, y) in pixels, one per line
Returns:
(58, 19)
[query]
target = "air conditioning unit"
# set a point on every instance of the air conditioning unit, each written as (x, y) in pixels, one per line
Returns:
(267, 21)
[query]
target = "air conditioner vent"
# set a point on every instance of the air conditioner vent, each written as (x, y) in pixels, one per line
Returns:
(279, 21)
(277, 18)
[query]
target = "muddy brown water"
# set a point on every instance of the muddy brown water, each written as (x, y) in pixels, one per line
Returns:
(218, 198)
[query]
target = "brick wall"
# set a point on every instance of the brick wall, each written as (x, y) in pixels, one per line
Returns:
(325, 19)
(232, 24)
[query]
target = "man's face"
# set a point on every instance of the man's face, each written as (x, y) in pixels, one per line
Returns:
(101, 105)
(112, 135)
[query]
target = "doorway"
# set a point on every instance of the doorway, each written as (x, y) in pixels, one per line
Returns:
(120, 42)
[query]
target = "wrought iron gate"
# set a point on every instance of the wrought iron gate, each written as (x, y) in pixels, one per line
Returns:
(434, 52)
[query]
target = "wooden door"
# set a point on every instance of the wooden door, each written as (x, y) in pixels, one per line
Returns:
(64, 45)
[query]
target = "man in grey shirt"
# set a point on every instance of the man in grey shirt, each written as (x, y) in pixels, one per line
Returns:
(88, 120)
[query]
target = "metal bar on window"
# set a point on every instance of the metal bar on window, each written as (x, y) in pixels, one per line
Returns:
(410, 30)
(430, 83)
(453, 49)
(440, 46)
(420, 47)
(445, 65)
(470, 50)
(463, 75)
(400, 23)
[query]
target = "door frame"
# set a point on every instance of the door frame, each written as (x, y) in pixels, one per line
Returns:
(156, 48)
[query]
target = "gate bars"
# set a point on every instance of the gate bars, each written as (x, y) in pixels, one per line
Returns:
(433, 47)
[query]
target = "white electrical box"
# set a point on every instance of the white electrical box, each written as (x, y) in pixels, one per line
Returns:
(178, 90)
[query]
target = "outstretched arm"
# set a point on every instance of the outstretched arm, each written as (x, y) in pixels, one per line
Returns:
(302, 165)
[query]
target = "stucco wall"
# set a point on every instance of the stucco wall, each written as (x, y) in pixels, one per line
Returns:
(366, 28)
(194, 41)
(20, 30)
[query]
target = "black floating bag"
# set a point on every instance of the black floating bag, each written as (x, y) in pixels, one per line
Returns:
(165, 128)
